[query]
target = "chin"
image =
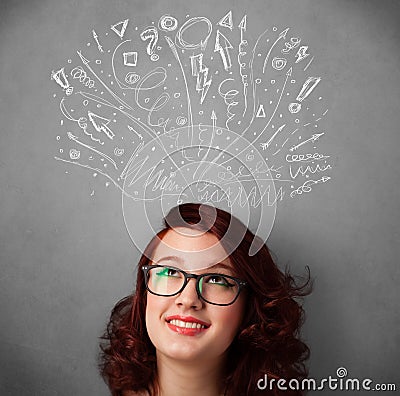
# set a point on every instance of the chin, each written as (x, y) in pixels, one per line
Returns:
(183, 350)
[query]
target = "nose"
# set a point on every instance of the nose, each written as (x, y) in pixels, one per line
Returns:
(188, 297)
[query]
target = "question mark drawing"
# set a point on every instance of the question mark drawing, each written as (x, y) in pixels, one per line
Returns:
(152, 34)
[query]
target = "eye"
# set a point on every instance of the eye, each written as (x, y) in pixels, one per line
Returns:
(166, 271)
(218, 280)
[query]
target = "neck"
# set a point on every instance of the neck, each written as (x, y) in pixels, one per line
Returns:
(182, 378)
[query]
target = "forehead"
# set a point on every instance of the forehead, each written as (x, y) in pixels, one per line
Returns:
(190, 249)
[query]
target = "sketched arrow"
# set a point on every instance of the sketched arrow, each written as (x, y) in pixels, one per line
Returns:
(210, 144)
(268, 143)
(96, 38)
(214, 119)
(100, 124)
(281, 36)
(75, 139)
(313, 138)
(243, 26)
(222, 45)
(324, 179)
(137, 133)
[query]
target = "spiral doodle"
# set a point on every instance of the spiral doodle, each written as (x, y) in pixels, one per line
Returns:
(80, 74)
(74, 154)
(181, 120)
(118, 152)
(132, 78)
(167, 23)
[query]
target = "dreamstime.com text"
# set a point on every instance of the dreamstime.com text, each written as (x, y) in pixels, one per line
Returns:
(340, 383)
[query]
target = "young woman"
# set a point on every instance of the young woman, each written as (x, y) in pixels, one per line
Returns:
(206, 318)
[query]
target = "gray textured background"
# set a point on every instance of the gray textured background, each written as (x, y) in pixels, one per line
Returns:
(66, 258)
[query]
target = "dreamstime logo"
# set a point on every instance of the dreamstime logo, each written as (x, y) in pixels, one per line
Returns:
(202, 164)
(339, 383)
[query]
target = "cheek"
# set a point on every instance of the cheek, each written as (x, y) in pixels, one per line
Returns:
(156, 306)
(230, 319)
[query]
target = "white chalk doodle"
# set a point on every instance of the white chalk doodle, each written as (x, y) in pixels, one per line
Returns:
(74, 154)
(96, 39)
(279, 63)
(120, 27)
(132, 78)
(118, 152)
(193, 108)
(150, 34)
(229, 100)
(200, 71)
(81, 75)
(202, 43)
(306, 157)
(130, 58)
(222, 45)
(292, 44)
(302, 53)
(306, 187)
(281, 36)
(100, 124)
(305, 91)
(243, 65)
(308, 64)
(312, 139)
(76, 140)
(226, 21)
(261, 111)
(61, 79)
(167, 23)
(268, 143)
(302, 171)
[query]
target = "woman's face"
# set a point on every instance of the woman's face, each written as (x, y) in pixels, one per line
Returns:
(189, 250)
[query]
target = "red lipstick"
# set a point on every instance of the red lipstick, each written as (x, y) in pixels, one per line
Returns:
(186, 325)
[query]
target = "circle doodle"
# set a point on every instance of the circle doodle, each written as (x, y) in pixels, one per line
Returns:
(74, 154)
(168, 23)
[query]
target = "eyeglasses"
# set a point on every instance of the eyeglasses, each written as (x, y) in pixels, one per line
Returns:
(213, 288)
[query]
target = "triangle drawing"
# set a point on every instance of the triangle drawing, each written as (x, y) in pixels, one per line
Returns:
(120, 27)
(260, 112)
(226, 21)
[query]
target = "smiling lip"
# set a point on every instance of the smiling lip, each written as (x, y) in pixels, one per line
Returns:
(186, 325)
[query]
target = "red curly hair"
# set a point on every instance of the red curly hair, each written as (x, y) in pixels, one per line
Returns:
(267, 341)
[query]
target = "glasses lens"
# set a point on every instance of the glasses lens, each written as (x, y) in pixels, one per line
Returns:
(218, 289)
(165, 281)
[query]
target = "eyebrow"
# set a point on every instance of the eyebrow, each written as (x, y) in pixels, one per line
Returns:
(222, 265)
(170, 258)
(179, 260)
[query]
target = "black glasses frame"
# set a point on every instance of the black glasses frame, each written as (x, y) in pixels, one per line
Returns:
(146, 268)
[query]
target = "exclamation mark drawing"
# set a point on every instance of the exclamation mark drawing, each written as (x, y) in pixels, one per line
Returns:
(305, 91)
(61, 79)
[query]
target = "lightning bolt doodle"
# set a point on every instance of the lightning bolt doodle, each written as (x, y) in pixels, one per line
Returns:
(200, 71)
